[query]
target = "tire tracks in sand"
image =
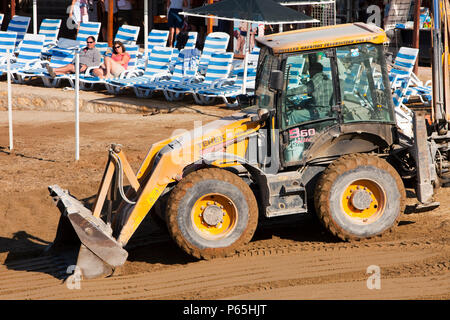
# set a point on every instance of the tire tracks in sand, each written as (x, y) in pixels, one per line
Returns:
(278, 272)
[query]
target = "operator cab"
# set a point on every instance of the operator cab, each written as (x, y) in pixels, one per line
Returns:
(337, 80)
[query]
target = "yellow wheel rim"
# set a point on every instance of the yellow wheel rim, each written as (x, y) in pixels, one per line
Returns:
(214, 216)
(364, 201)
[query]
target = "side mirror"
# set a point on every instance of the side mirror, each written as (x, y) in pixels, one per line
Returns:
(244, 100)
(276, 80)
(261, 115)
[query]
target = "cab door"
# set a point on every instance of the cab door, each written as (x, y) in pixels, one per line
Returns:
(307, 102)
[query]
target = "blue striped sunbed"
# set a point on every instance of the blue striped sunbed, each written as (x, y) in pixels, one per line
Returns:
(7, 44)
(50, 29)
(29, 54)
(157, 67)
(214, 42)
(59, 58)
(218, 71)
(88, 80)
(86, 30)
(156, 38)
(403, 115)
(402, 70)
(180, 75)
(191, 42)
(19, 24)
(403, 66)
(127, 34)
(229, 89)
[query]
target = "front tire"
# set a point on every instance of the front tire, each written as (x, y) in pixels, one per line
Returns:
(359, 196)
(211, 213)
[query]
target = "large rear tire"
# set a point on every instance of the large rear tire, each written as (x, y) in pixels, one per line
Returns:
(211, 213)
(359, 196)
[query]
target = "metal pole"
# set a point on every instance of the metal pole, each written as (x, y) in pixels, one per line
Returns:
(334, 12)
(437, 64)
(35, 17)
(77, 105)
(416, 33)
(8, 70)
(247, 50)
(145, 29)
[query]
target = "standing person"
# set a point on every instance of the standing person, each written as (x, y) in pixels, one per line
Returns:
(105, 9)
(174, 19)
(89, 57)
(93, 10)
(125, 15)
(198, 24)
(242, 35)
(78, 12)
(116, 64)
(83, 5)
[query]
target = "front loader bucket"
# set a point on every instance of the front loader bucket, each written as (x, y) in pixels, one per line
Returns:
(99, 252)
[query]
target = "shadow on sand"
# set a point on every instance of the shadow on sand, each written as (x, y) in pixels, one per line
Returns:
(151, 244)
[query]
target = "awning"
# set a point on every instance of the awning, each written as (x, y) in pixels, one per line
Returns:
(251, 11)
(303, 2)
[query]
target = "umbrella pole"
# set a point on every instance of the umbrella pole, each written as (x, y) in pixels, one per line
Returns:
(110, 23)
(247, 50)
(210, 21)
(13, 8)
(146, 30)
(34, 16)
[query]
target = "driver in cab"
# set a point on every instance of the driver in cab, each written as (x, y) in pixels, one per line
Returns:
(311, 100)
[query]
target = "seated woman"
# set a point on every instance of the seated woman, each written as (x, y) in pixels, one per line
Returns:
(116, 64)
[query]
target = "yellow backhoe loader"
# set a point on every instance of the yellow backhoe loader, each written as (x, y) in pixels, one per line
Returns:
(321, 132)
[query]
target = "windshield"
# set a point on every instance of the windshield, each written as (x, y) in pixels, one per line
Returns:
(363, 83)
(265, 97)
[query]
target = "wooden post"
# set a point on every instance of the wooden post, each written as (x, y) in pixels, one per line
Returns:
(110, 22)
(210, 21)
(13, 8)
(416, 33)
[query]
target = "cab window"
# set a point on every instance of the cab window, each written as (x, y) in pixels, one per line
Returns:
(265, 97)
(309, 88)
(363, 84)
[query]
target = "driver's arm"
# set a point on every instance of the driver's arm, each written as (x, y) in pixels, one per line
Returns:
(300, 90)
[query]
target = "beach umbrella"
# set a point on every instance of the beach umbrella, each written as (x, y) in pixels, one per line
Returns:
(250, 11)
(303, 2)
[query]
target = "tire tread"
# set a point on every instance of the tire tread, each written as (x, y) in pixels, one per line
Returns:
(180, 191)
(325, 183)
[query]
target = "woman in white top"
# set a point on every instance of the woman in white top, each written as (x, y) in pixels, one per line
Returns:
(79, 11)
(174, 19)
